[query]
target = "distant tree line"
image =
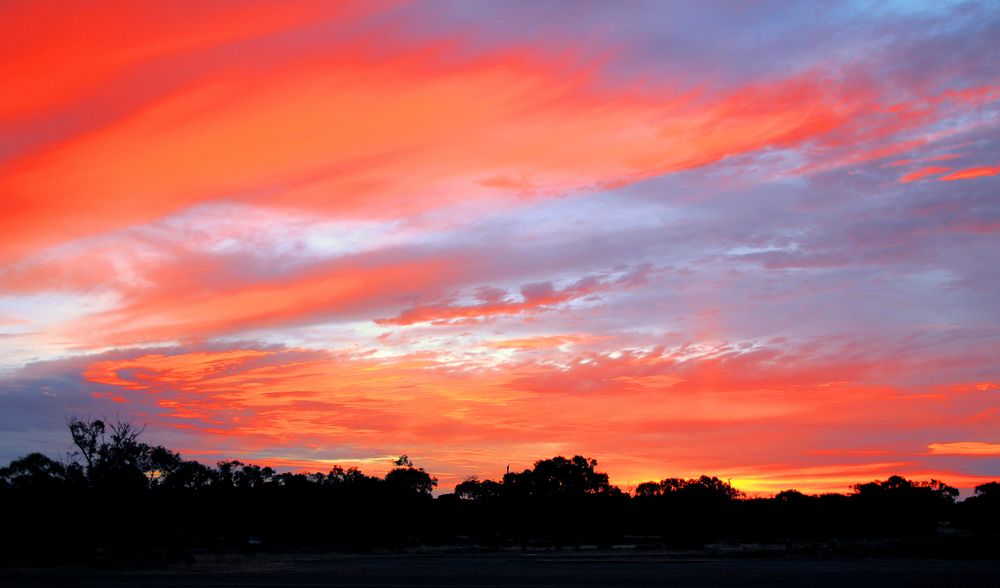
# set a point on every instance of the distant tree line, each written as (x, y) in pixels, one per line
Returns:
(118, 499)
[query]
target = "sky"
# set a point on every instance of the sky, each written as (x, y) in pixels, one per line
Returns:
(757, 240)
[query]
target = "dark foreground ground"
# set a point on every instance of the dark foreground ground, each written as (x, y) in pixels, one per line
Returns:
(570, 569)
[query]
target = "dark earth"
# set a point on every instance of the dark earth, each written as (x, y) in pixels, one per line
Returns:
(570, 569)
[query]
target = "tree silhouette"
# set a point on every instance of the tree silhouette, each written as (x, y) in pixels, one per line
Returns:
(114, 456)
(124, 499)
(687, 512)
(897, 506)
(981, 512)
(34, 471)
(564, 477)
(88, 436)
(188, 476)
(704, 488)
(476, 490)
(405, 478)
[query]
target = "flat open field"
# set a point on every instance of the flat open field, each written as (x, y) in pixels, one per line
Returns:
(527, 569)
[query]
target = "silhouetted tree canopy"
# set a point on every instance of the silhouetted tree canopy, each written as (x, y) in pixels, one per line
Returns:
(559, 477)
(34, 471)
(899, 487)
(120, 496)
(478, 490)
(115, 458)
(407, 479)
(704, 488)
(988, 491)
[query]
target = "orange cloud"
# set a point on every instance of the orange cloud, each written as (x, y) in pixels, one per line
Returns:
(644, 415)
(381, 133)
(970, 173)
(57, 52)
(965, 448)
(923, 172)
(149, 371)
(544, 342)
(179, 312)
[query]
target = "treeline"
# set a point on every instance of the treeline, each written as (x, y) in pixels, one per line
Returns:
(119, 499)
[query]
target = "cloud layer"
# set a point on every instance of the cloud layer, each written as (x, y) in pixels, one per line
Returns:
(332, 232)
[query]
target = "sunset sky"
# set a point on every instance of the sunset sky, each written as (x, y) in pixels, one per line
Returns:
(757, 240)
